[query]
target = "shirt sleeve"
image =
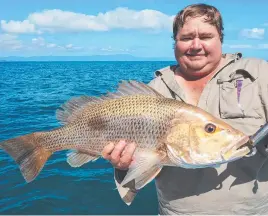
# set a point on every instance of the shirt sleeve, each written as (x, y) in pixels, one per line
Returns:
(263, 86)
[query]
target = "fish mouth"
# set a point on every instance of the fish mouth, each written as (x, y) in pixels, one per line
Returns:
(239, 148)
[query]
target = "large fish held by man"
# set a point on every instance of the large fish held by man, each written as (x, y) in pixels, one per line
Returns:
(167, 133)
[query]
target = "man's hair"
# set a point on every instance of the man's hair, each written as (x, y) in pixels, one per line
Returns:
(211, 14)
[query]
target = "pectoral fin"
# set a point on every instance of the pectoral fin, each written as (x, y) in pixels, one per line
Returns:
(146, 165)
(147, 177)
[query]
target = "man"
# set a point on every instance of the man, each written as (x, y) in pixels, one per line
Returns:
(229, 87)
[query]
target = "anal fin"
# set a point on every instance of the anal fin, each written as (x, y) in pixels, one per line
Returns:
(127, 193)
(77, 158)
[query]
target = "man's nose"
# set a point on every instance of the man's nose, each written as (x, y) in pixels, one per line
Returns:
(196, 45)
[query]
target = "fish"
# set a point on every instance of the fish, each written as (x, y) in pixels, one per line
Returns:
(167, 132)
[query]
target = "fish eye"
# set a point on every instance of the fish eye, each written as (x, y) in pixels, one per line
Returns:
(210, 128)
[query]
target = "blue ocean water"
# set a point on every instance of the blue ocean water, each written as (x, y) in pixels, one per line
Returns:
(30, 93)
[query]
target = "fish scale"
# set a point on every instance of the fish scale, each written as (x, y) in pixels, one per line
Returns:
(108, 123)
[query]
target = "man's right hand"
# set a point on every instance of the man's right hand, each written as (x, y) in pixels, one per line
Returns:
(120, 155)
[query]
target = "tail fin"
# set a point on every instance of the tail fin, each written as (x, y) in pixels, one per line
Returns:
(28, 153)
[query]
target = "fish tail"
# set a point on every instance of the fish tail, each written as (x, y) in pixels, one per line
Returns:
(28, 153)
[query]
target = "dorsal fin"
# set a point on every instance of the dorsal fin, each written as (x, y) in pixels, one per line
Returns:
(72, 108)
(75, 106)
(126, 88)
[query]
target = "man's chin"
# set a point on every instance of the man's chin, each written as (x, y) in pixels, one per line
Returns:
(196, 66)
(197, 62)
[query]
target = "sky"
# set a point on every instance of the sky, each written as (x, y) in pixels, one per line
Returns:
(140, 28)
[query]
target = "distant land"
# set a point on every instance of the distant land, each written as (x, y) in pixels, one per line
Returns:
(120, 57)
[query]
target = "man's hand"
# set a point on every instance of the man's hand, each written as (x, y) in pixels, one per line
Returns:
(120, 154)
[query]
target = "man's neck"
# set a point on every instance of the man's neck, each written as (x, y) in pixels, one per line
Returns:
(193, 88)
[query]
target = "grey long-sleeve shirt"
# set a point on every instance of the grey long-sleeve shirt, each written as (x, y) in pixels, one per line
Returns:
(237, 94)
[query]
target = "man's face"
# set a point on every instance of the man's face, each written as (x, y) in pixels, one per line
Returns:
(198, 47)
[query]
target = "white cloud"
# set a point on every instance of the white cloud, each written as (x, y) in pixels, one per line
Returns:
(131, 19)
(263, 46)
(240, 46)
(38, 41)
(107, 49)
(256, 33)
(72, 47)
(69, 46)
(246, 46)
(111, 49)
(51, 45)
(58, 20)
(9, 42)
(18, 27)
